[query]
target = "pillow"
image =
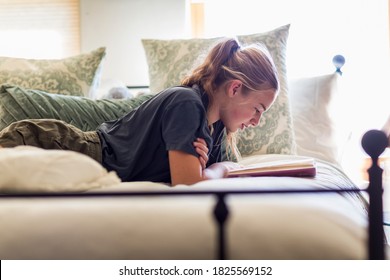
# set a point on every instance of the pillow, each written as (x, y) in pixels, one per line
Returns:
(170, 60)
(274, 134)
(50, 171)
(314, 106)
(78, 75)
(17, 103)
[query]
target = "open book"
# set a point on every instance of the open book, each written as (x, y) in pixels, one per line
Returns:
(278, 166)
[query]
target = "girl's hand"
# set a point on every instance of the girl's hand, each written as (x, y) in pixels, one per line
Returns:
(202, 150)
(220, 169)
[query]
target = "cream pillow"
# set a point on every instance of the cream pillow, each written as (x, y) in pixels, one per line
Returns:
(170, 60)
(314, 103)
(26, 169)
(77, 75)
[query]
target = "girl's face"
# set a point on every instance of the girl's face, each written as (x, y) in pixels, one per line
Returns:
(245, 109)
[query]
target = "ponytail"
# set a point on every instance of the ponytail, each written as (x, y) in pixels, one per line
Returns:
(208, 73)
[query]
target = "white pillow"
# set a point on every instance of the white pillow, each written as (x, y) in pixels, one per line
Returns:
(314, 105)
(26, 169)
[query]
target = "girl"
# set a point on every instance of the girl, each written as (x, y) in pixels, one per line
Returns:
(176, 136)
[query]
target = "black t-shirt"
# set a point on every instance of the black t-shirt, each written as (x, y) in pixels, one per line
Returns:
(136, 145)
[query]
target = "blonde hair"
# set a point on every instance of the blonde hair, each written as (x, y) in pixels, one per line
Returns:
(226, 61)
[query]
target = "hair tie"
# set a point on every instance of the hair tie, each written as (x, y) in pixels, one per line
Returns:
(235, 49)
(232, 52)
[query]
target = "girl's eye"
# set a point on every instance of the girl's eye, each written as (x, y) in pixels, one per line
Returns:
(257, 110)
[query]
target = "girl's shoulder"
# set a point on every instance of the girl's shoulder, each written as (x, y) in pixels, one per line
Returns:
(178, 94)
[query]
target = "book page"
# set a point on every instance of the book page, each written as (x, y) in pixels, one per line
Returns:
(276, 165)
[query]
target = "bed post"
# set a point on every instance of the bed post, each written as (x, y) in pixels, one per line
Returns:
(338, 62)
(374, 142)
(221, 214)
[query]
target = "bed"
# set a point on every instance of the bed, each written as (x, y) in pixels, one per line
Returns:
(61, 205)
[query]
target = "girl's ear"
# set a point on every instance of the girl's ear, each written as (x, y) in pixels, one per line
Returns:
(233, 87)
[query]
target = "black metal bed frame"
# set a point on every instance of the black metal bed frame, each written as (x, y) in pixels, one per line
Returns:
(374, 142)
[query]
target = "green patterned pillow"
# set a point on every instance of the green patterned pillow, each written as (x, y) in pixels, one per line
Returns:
(77, 75)
(170, 60)
(17, 104)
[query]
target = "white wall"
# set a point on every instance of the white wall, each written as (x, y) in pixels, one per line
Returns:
(119, 25)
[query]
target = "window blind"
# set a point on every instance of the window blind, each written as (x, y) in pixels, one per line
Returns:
(39, 28)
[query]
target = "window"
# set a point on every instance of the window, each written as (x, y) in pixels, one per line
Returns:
(39, 28)
(197, 18)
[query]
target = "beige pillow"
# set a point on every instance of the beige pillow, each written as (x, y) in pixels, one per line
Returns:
(170, 60)
(77, 75)
(26, 169)
(314, 103)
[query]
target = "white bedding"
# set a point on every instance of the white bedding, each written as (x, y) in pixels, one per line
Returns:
(268, 226)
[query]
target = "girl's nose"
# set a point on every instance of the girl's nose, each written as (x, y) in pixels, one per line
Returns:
(255, 120)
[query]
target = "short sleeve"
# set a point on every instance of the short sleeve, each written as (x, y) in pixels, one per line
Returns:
(182, 123)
